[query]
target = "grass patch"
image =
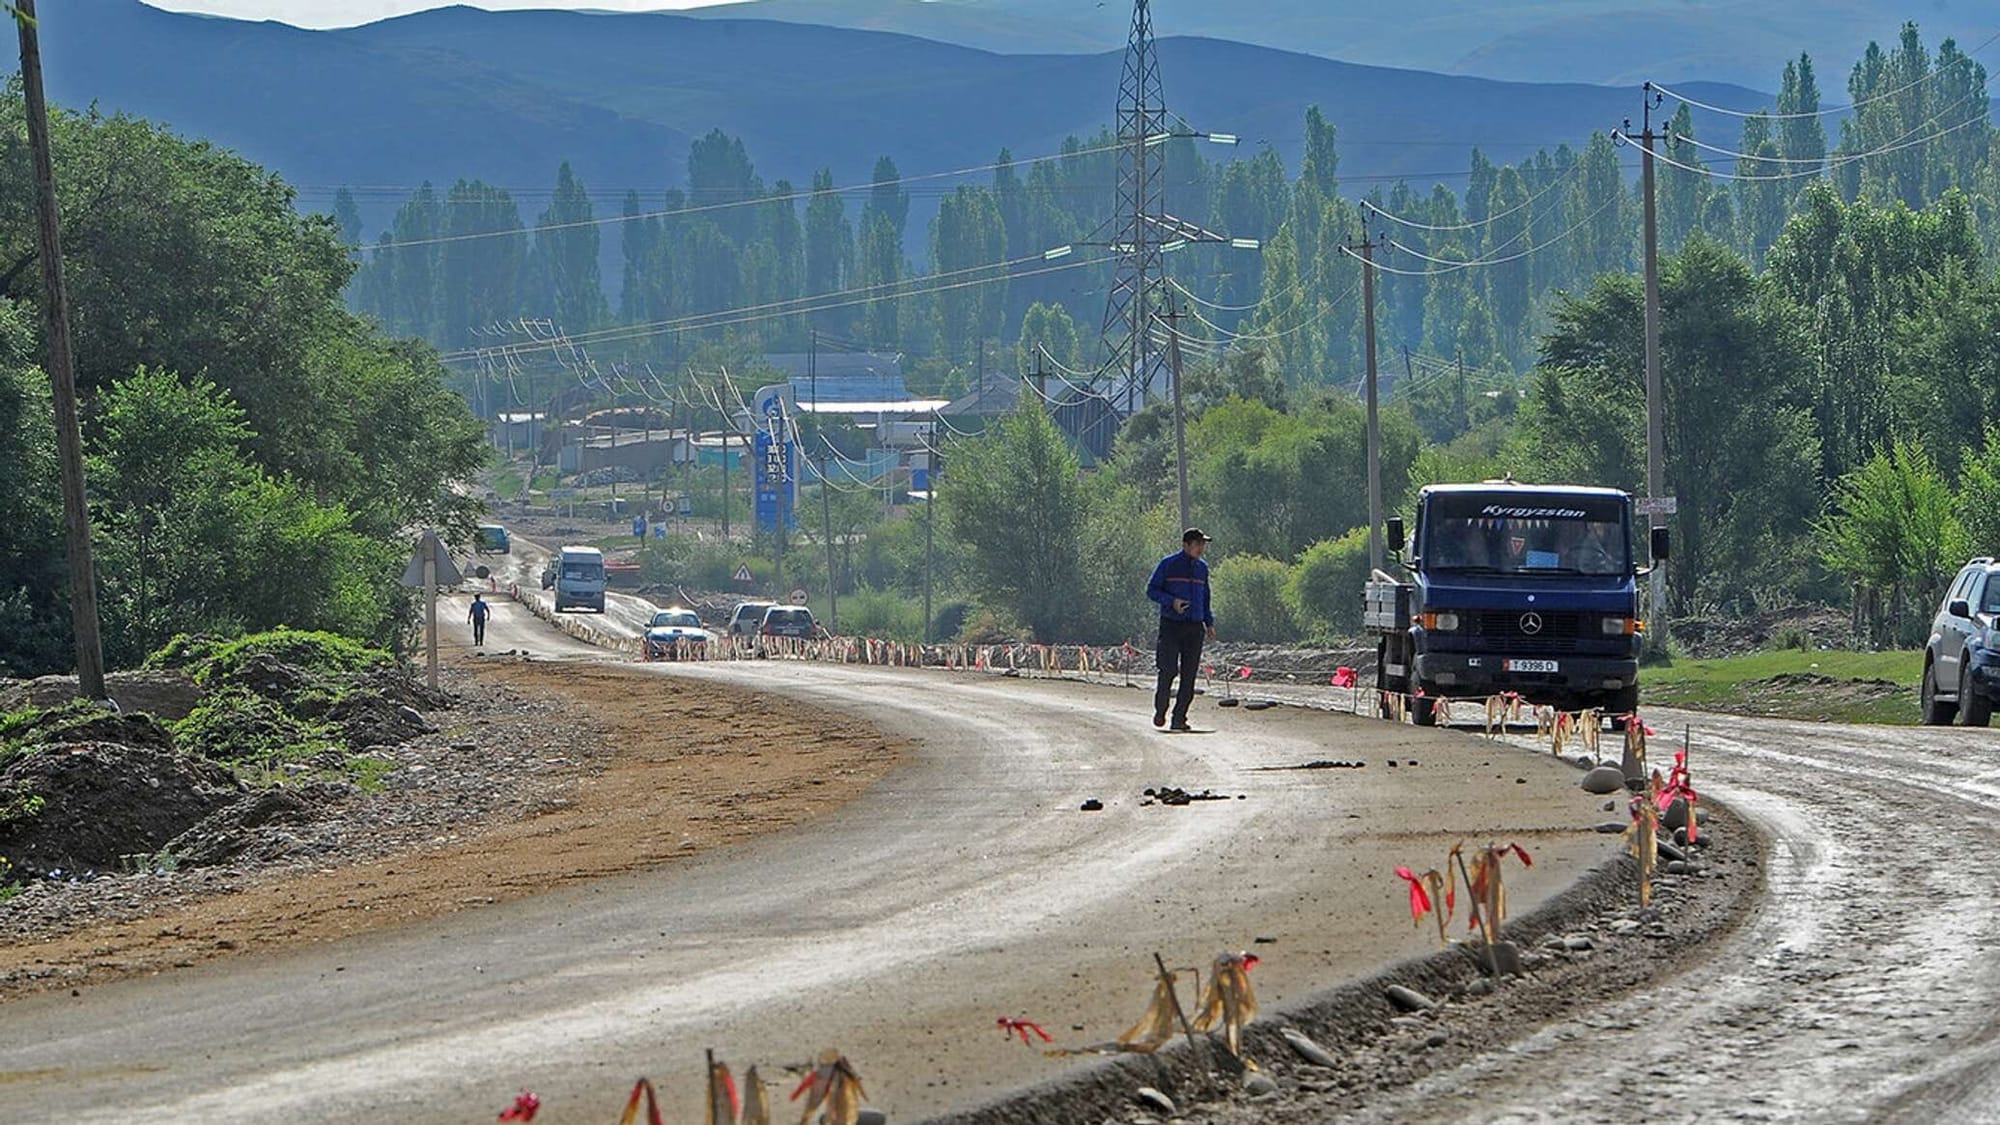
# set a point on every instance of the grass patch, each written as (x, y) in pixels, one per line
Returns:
(1846, 687)
(244, 729)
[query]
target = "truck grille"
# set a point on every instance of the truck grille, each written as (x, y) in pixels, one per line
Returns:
(1505, 630)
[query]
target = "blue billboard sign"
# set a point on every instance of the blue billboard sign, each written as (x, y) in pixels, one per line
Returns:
(777, 464)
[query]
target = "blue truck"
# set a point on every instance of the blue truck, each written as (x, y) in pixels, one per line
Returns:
(1512, 588)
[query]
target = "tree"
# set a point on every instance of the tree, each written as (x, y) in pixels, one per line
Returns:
(347, 217)
(1892, 529)
(1508, 286)
(1683, 194)
(566, 276)
(1802, 140)
(34, 608)
(1045, 328)
(829, 243)
(1760, 200)
(1013, 499)
(965, 237)
(196, 539)
(480, 277)
(1249, 593)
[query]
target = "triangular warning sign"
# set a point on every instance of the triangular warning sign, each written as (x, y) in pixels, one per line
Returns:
(429, 545)
(743, 574)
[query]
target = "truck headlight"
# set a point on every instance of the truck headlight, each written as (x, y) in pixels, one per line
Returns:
(1623, 626)
(1441, 622)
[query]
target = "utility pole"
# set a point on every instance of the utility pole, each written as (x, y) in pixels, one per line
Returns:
(826, 532)
(1173, 318)
(1366, 248)
(62, 367)
(930, 520)
(1656, 472)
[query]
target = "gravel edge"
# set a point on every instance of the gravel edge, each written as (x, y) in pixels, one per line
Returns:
(1382, 1049)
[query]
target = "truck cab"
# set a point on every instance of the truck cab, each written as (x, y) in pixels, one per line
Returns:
(1531, 589)
(579, 579)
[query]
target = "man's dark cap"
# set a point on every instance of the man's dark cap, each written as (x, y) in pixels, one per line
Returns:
(1193, 534)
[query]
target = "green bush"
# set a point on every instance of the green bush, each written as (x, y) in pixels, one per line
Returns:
(1326, 586)
(185, 650)
(881, 613)
(1249, 599)
(321, 655)
(244, 729)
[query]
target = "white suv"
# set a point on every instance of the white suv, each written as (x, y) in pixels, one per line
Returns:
(1962, 657)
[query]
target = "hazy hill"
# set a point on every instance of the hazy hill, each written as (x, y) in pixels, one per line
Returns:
(506, 96)
(1607, 41)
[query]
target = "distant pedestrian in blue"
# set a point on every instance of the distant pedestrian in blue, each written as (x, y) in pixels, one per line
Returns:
(477, 616)
(1180, 587)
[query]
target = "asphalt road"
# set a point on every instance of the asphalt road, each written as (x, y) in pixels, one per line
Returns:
(965, 886)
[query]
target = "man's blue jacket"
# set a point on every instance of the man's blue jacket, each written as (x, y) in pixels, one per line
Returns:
(1181, 576)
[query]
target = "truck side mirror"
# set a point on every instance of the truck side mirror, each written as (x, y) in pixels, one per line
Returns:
(1394, 527)
(1662, 546)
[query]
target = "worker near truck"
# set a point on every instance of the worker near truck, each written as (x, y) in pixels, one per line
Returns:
(1180, 588)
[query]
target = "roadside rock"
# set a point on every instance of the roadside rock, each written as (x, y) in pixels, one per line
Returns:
(1408, 999)
(1153, 1099)
(1257, 1084)
(96, 803)
(1307, 1049)
(1603, 780)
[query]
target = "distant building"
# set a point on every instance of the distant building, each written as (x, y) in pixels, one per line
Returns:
(516, 431)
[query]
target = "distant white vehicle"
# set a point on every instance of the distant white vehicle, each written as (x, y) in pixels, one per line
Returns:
(672, 628)
(578, 579)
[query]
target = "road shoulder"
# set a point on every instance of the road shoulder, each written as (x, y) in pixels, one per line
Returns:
(645, 772)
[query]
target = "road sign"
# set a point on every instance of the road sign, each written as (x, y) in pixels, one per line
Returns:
(798, 595)
(431, 567)
(1657, 505)
(743, 574)
(431, 547)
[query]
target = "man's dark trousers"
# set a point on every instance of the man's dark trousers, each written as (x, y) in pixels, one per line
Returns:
(1179, 654)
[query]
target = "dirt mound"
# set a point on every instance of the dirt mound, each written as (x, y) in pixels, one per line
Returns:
(406, 690)
(1801, 627)
(265, 826)
(169, 695)
(367, 720)
(266, 675)
(79, 722)
(86, 807)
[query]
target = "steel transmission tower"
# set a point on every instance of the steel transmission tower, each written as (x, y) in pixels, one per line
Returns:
(1135, 293)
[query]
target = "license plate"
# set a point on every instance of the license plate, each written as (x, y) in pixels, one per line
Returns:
(1531, 666)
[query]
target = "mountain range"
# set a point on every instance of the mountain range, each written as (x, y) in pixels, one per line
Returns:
(506, 96)
(1612, 42)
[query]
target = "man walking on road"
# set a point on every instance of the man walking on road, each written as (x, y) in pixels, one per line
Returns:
(477, 615)
(1180, 586)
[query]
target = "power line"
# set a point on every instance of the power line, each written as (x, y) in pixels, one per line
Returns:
(697, 321)
(1552, 185)
(790, 197)
(1836, 160)
(1828, 112)
(612, 336)
(1454, 267)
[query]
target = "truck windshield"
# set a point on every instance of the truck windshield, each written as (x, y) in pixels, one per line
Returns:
(583, 572)
(1513, 534)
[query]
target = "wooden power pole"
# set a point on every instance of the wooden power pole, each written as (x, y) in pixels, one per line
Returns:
(62, 367)
(1657, 506)
(1366, 248)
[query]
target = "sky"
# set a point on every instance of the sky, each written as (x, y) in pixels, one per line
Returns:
(349, 13)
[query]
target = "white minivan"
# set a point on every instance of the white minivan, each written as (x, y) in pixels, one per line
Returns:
(579, 578)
